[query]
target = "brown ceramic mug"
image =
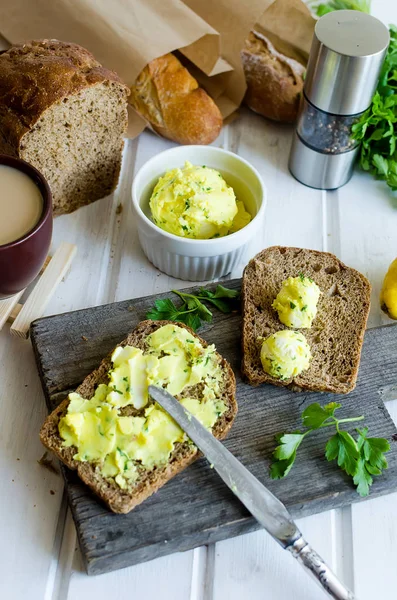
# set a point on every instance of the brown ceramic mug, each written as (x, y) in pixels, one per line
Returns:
(22, 259)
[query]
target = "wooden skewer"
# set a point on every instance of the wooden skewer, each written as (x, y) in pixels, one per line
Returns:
(41, 294)
(14, 313)
(7, 306)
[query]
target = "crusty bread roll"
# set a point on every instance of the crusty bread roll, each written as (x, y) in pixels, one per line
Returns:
(170, 99)
(274, 81)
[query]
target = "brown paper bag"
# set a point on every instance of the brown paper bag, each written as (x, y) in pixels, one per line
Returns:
(289, 25)
(125, 35)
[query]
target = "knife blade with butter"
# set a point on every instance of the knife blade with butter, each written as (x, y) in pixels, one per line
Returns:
(261, 503)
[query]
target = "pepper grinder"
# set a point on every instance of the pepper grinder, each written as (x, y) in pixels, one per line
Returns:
(345, 60)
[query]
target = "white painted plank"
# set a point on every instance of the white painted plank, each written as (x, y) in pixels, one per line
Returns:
(254, 566)
(294, 212)
(169, 578)
(367, 233)
(88, 229)
(28, 510)
(42, 292)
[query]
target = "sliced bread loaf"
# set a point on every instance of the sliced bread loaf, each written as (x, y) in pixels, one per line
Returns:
(184, 453)
(64, 113)
(337, 332)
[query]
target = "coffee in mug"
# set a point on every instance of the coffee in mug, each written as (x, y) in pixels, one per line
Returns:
(25, 224)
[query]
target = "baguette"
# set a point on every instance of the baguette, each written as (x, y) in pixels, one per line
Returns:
(64, 113)
(123, 500)
(274, 81)
(337, 332)
(171, 101)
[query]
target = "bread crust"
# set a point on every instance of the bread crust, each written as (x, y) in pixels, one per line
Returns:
(35, 75)
(262, 280)
(274, 81)
(118, 500)
(171, 101)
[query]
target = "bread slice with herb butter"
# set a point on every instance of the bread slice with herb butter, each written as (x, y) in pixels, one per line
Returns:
(337, 332)
(183, 452)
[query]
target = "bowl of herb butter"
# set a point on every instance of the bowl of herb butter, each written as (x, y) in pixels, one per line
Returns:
(196, 209)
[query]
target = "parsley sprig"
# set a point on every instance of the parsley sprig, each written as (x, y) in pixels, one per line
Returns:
(377, 127)
(193, 311)
(361, 458)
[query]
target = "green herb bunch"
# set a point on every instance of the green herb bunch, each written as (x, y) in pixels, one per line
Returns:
(326, 7)
(361, 458)
(193, 311)
(377, 127)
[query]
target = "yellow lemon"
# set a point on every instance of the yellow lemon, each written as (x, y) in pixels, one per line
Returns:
(388, 296)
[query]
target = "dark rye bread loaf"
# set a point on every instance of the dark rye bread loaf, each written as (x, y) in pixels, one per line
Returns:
(64, 113)
(119, 500)
(337, 332)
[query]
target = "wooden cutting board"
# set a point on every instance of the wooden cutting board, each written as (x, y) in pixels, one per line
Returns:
(196, 507)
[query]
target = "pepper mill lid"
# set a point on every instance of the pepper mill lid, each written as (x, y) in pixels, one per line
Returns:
(346, 56)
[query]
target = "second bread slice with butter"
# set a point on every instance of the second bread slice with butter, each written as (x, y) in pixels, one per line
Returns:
(337, 332)
(184, 453)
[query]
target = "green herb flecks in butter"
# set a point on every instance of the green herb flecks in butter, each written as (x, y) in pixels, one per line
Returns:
(296, 302)
(196, 202)
(285, 354)
(118, 443)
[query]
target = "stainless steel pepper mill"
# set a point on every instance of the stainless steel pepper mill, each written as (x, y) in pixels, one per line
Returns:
(345, 59)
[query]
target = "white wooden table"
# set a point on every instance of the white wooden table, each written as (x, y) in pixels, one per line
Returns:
(39, 558)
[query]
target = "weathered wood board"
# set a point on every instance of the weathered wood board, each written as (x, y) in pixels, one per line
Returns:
(196, 508)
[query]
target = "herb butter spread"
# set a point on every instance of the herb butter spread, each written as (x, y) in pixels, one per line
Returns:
(102, 428)
(196, 202)
(296, 302)
(285, 354)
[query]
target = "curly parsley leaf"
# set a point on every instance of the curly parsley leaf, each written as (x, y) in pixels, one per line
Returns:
(315, 415)
(343, 447)
(163, 310)
(223, 298)
(192, 320)
(372, 460)
(362, 478)
(289, 443)
(285, 454)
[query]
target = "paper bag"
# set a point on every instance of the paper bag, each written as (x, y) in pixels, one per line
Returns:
(124, 35)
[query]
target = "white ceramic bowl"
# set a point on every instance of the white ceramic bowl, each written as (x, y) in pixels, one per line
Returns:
(197, 260)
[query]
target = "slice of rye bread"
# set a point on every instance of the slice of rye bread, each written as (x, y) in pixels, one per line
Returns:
(337, 332)
(184, 453)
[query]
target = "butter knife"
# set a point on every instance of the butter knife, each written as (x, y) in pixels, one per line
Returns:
(261, 503)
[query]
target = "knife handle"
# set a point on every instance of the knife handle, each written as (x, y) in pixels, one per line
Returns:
(319, 570)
